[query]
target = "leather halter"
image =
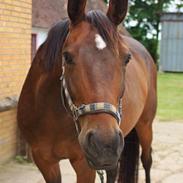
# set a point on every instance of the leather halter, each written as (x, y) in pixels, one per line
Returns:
(84, 109)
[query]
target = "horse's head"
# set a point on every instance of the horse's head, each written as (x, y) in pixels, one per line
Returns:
(94, 59)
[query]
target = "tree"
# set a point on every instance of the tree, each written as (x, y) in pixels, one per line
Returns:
(179, 7)
(143, 22)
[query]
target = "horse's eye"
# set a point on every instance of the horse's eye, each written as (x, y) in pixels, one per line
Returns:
(68, 58)
(128, 58)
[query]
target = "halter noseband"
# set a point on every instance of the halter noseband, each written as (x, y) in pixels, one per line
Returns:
(93, 108)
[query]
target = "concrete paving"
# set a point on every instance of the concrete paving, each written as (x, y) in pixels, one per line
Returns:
(167, 160)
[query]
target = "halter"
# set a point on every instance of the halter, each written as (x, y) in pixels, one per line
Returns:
(93, 108)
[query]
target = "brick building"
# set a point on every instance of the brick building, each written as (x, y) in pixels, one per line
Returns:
(15, 59)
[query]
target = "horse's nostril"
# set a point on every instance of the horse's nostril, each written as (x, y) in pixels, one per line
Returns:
(89, 137)
(120, 135)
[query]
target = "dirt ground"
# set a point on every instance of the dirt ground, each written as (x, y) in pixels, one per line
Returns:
(167, 160)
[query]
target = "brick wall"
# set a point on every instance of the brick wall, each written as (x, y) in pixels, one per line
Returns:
(15, 59)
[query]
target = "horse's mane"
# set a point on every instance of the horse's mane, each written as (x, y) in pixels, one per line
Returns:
(57, 35)
(54, 43)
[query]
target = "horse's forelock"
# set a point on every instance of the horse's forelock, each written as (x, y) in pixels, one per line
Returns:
(57, 35)
(104, 26)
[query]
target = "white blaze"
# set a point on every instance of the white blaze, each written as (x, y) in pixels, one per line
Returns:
(100, 43)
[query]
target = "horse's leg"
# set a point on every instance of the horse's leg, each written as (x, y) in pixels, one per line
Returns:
(111, 175)
(49, 168)
(144, 132)
(83, 172)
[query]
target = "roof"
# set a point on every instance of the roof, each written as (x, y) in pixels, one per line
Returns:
(46, 13)
(172, 17)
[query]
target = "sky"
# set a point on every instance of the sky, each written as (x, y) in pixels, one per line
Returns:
(172, 8)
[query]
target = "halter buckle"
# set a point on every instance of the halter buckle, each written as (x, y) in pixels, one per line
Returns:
(74, 111)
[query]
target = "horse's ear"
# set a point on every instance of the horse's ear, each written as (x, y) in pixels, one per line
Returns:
(76, 10)
(117, 11)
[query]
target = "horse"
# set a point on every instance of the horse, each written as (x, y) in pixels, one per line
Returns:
(90, 97)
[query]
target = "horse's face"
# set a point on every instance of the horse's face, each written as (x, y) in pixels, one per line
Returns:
(94, 72)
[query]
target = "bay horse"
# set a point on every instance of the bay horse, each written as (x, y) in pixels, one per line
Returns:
(90, 97)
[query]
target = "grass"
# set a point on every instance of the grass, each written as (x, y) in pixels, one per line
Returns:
(21, 160)
(170, 96)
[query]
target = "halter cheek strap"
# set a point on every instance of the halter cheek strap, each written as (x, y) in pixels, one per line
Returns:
(84, 109)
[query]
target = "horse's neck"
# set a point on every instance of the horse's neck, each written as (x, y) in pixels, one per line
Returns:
(134, 98)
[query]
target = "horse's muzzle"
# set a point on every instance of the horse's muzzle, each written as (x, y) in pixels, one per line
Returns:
(103, 151)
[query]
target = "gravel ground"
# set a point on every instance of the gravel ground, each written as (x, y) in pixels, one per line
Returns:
(167, 157)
